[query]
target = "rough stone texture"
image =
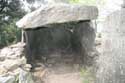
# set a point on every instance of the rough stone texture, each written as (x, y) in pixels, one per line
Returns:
(13, 64)
(10, 65)
(21, 77)
(7, 79)
(25, 77)
(112, 60)
(57, 13)
(60, 39)
(12, 57)
(12, 52)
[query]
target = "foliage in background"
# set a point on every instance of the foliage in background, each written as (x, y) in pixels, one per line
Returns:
(74, 1)
(87, 75)
(10, 12)
(9, 34)
(89, 2)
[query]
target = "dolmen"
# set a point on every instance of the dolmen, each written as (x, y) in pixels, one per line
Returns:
(59, 28)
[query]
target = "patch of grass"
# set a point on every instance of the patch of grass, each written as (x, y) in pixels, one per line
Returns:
(87, 75)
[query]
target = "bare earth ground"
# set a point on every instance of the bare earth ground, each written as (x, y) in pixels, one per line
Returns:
(62, 72)
(64, 78)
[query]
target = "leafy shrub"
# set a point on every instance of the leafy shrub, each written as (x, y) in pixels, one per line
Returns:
(9, 34)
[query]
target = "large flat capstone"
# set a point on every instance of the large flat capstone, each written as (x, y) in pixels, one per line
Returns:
(57, 13)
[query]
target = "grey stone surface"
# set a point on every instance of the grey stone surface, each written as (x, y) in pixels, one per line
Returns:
(12, 52)
(7, 79)
(12, 63)
(65, 38)
(84, 35)
(57, 13)
(83, 41)
(11, 58)
(25, 77)
(21, 77)
(112, 60)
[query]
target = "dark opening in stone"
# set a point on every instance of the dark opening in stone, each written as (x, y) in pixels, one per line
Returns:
(59, 33)
(64, 42)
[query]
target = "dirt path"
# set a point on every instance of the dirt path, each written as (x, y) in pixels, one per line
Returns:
(63, 70)
(64, 78)
(63, 73)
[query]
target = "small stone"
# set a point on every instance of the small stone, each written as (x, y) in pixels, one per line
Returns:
(13, 64)
(2, 70)
(25, 77)
(7, 79)
(27, 67)
(2, 58)
(19, 44)
(39, 74)
(15, 72)
(12, 52)
(4, 52)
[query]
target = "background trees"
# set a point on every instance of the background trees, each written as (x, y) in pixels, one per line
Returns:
(10, 12)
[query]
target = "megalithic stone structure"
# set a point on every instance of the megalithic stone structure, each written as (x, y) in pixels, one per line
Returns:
(59, 28)
(112, 59)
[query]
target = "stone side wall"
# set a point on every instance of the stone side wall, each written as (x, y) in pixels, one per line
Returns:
(112, 60)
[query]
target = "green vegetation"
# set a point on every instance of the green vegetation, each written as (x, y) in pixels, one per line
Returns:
(74, 1)
(88, 2)
(10, 12)
(87, 75)
(9, 34)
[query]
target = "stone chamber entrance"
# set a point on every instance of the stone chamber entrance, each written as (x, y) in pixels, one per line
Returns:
(60, 43)
(61, 48)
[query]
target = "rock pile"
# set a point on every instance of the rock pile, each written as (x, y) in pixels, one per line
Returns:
(13, 66)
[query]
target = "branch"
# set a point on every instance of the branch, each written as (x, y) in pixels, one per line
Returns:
(3, 4)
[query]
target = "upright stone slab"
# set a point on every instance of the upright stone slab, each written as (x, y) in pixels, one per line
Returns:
(112, 60)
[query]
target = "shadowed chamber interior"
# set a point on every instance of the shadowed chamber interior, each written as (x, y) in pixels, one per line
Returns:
(60, 41)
